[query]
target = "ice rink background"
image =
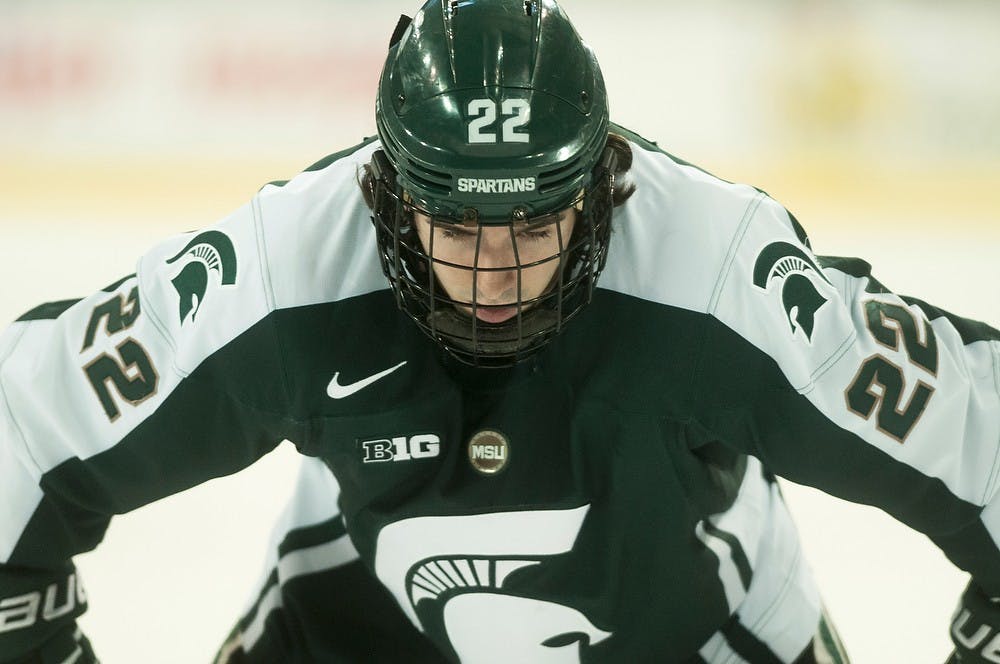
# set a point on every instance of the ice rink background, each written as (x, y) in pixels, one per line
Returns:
(876, 124)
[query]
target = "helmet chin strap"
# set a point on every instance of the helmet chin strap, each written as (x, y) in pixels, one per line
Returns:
(507, 338)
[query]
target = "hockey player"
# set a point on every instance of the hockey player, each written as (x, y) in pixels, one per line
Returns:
(508, 459)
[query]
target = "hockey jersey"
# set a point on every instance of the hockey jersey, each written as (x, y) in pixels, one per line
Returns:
(610, 499)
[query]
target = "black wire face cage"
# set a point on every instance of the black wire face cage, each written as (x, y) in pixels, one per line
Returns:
(458, 325)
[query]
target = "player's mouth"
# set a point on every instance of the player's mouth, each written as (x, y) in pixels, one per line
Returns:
(495, 315)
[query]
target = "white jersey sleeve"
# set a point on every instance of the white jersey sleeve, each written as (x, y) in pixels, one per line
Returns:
(103, 407)
(172, 376)
(882, 399)
(812, 365)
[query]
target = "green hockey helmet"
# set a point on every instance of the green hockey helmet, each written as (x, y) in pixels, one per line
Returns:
(490, 112)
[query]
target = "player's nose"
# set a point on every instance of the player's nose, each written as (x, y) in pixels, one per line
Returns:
(497, 249)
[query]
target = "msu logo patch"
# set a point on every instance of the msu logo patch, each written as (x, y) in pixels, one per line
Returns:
(796, 272)
(209, 252)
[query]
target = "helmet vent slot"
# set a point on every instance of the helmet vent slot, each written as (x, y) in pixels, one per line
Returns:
(425, 172)
(430, 185)
(556, 185)
(558, 172)
(560, 177)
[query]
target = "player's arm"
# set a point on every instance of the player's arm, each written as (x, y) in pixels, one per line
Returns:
(835, 382)
(145, 388)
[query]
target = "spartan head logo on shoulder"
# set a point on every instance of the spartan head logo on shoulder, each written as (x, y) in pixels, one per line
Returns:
(798, 276)
(209, 258)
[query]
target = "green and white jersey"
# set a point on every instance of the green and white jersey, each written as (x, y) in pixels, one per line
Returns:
(610, 500)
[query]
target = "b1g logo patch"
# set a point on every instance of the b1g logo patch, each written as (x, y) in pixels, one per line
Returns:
(797, 274)
(400, 448)
(209, 252)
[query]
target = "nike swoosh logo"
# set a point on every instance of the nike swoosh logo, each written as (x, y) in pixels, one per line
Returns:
(337, 391)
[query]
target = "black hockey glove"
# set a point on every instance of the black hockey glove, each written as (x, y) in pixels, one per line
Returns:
(975, 629)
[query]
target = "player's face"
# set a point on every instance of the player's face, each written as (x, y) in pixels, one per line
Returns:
(490, 276)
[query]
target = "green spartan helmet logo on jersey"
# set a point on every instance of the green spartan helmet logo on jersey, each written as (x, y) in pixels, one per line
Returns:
(211, 251)
(799, 296)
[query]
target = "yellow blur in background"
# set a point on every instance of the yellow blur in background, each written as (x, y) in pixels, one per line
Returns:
(876, 122)
(854, 110)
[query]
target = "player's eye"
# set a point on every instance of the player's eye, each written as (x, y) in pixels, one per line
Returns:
(536, 235)
(456, 233)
